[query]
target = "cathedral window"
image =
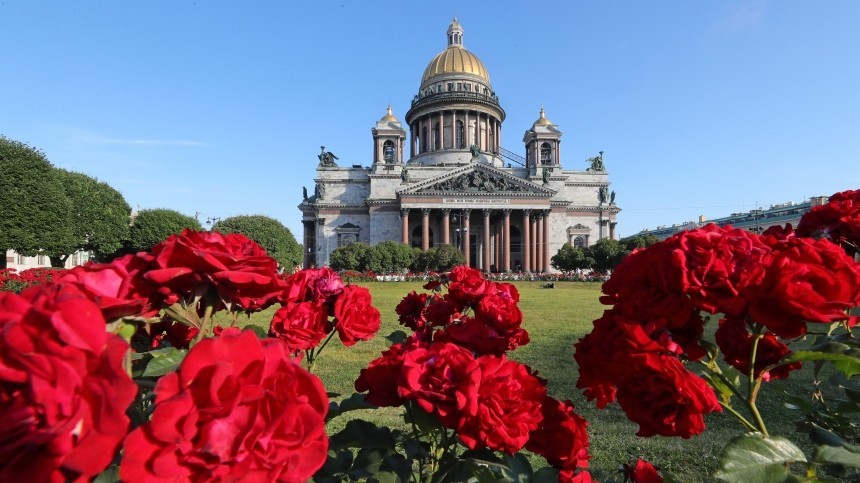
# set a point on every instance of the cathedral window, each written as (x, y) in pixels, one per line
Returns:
(388, 151)
(436, 138)
(450, 86)
(461, 138)
(545, 153)
(424, 144)
(579, 242)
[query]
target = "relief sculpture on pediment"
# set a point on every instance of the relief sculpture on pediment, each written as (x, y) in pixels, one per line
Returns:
(475, 182)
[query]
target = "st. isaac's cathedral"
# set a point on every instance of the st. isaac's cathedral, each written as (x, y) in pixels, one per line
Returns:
(459, 185)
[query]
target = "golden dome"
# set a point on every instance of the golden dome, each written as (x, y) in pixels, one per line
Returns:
(389, 117)
(455, 59)
(542, 120)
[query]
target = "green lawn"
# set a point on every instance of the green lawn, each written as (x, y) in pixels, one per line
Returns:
(555, 319)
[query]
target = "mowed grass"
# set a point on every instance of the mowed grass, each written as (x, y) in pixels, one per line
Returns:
(556, 319)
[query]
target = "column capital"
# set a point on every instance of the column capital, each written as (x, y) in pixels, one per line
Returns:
(467, 211)
(446, 211)
(425, 211)
(613, 223)
(404, 211)
(506, 212)
(527, 212)
(487, 212)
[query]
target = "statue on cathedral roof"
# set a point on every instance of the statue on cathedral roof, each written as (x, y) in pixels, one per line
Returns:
(596, 163)
(327, 158)
(475, 150)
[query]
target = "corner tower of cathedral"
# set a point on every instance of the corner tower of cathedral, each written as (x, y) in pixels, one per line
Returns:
(459, 186)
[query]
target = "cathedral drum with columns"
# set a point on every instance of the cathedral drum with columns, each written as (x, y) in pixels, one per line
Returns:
(459, 186)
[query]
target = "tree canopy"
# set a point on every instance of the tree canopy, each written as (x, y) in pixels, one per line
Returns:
(389, 257)
(99, 218)
(270, 233)
(607, 254)
(349, 257)
(153, 226)
(438, 259)
(35, 208)
(570, 258)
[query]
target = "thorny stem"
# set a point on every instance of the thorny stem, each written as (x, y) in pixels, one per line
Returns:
(415, 435)
(740, 417)
(754, 384)
(204, 326)
(313, 354)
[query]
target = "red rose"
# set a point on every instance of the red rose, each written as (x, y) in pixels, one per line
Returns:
(838, 220)
(807, 280)
(441, 311)
(63, 388)
(561, 437)
(499, 403)
(410, 310)
(312, 285)
(300, 325)
(499, 312)
(116, 287)
(381, 377)
(736, 342)
(642, 472)
(237, 267)
(355, 318)
(650, 284)
(722, 266)
(567, 476)
(430, 377)
(237, 408)
(466, 285)
(664, 398)
(477, 336)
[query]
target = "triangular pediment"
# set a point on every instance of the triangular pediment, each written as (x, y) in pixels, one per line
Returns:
(478, 179)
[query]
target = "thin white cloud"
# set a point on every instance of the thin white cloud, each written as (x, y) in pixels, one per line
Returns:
(747, 15)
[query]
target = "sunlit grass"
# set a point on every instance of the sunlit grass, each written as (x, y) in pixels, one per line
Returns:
(555, 319)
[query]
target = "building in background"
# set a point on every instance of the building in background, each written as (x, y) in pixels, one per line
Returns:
(20, 263)
(459, 186)
(756, 221)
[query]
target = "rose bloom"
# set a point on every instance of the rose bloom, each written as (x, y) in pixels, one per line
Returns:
(300, 325)
(720, 266)
(499, 403)
(410, 310)
(381, 378)
(807, 280)
(839, 219)
(736, 342)
(241, 271)
(430, 377)
(441, 311)
(477, 336)
(665, 398)
(117, 287)
(642, 472)
(467, 285)
(561, 437)
(651, 285)
(64, 391)
(355, 318)
(237, 408)
(321, 285)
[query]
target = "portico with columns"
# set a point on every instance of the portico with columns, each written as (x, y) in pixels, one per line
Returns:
(459, 186)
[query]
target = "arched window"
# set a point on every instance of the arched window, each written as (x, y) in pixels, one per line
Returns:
(388, 153)
(579, 242)
(545, 153)
(461, 136)
(437, 139)
(424, 144)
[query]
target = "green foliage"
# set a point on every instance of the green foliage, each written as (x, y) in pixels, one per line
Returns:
(153, 226)
(349, 257)
(99, 218)
(570, 258)
(34, 208)
(389, 257)
(438, 259)
(271, 234)
(754, 457)
(640, 241)
(607, 254)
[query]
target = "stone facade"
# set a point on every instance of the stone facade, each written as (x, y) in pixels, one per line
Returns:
(459, 186)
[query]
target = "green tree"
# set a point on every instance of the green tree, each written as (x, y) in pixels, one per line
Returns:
(639, 241)
(607, 254)
(389, 257)
(349, 257)
(153, 226)
(438, 259)
(34, 208)
(570, 258)
(270, 233)
(99, 219)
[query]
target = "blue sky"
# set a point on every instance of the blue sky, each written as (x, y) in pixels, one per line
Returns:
(702, 108)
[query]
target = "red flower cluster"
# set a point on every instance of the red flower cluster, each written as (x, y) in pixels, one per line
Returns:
(310, 297)
(63, 390)
(460, 375)
(12, 281)
(238, 408)
(765, 286)
(838, 220)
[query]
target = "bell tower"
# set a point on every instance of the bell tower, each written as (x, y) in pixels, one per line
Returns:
(388, 137)
(542, 141)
